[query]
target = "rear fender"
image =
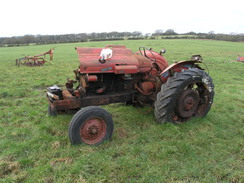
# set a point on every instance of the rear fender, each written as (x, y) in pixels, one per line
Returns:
(178, 67)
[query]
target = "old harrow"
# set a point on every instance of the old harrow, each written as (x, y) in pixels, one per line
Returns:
(37, 60)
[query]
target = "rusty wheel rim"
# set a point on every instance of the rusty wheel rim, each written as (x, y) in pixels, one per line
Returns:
(187, 103)
(93, 130)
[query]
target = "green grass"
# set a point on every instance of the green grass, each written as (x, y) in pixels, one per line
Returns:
(35, 147)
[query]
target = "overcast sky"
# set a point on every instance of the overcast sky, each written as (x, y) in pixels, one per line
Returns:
(47, 17)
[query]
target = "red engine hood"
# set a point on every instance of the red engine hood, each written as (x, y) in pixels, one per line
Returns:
(122, 61)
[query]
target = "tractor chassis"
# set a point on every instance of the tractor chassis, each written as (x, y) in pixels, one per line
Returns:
(92, 100)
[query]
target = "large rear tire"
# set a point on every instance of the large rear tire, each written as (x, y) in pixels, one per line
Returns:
(185, 95)
(91, 125)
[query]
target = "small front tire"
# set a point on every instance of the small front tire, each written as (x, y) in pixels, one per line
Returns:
(91, 125)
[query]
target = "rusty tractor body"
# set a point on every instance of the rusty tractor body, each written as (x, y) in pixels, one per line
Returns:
(36, 60)
(115, 74)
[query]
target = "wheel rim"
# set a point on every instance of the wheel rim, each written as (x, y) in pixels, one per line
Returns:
(93, 130)
(187, 103)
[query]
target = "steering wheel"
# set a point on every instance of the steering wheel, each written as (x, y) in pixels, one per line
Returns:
(144, 49)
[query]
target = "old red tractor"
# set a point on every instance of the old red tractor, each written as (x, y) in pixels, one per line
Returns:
(115, 74)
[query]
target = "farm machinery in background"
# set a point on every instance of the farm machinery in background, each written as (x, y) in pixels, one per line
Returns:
(37, 60)
(115, 74)
(240, 59)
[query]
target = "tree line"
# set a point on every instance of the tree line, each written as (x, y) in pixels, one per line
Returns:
(109, 36)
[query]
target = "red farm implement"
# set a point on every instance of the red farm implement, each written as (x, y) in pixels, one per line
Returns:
(240, 59)
(36, 60)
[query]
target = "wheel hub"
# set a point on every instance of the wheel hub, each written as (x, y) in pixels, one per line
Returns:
(93, 130)
(187, 103)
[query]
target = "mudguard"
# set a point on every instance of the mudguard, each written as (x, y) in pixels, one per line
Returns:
(178, 67)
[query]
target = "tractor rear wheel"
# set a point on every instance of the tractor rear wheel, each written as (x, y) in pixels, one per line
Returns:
(185, 95)
(91, 125)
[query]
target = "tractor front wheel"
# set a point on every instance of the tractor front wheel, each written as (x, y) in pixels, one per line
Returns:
(185, 95)
(91, 125)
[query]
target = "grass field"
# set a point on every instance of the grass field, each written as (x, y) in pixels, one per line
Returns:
(35, 147)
